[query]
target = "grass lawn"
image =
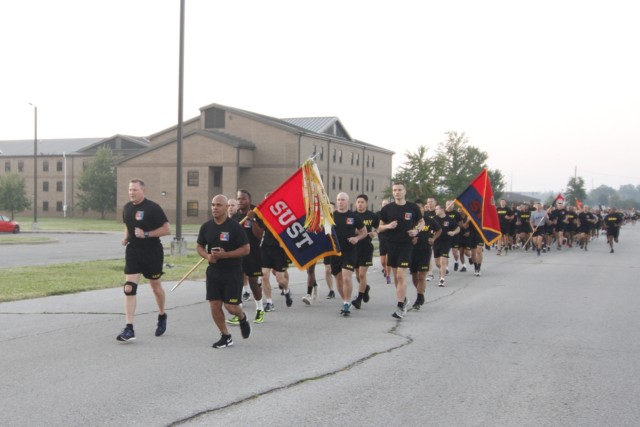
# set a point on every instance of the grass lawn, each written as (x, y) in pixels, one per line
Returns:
(85, 224)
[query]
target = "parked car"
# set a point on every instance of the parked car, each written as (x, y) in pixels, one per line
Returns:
(8, 225)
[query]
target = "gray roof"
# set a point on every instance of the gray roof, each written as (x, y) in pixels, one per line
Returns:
(46, 147)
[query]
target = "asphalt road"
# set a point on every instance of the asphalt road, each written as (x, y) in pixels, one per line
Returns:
(550, 340)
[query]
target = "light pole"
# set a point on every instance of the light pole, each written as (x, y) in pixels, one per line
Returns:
(64, 206)
(35, 166)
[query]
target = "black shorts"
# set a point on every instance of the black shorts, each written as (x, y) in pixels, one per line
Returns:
(585, 229)
(505, 227)
(364, 257)
(383, 247)
(346, 261)
(525, 228)
(399, 255)
(540, 231)
(549, 230)
(275, 257)
(225, 284)
(613, 232)
(326, 260)
(441, 249)
(252, 263)
(420, 260)
(456, 241)
(147, 261)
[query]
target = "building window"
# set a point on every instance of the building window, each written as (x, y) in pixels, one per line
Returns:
(58, 206)
(366, 185)
(20, 166)
(357, 184)
(193, 178)
(367, 160)
(59, 166)
(357, 159)
(214, 118)
(192, 208)
(340, 156)
(45, 206)
(85, 163)
(45, 185)
(7, 166)
(351, 185)
(372, 186)
(321, 153)
(373, 162)
(217, 176)
(340, 183)
(333, 183)
(45, 166)
(59, 186)
(334, 155)
(352, 158)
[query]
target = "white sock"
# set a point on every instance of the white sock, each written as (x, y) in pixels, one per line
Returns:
(259, 305)
(269, 301)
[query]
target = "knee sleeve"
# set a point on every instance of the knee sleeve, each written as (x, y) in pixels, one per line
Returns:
(134, 288)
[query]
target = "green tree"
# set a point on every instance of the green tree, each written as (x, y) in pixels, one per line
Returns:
(601, 195)
(98, 184)
(417, 175)
(575, 190)
(456, 164)
(13, 194)
(497, 183)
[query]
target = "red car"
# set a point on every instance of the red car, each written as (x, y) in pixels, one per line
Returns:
(8, 225)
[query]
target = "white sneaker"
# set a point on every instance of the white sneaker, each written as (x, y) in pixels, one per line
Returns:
(441, 283)
(306, 299)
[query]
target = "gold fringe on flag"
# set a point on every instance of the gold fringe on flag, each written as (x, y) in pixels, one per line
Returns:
(316, 200)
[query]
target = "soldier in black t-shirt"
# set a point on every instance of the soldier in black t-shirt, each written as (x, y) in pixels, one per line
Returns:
(442, 245)
(364, 249)
(456, 249)
(612, 222)
(505, 215)
(556, 218)
(350, 229)
(145, 222)
(586, 222)
(223, 242)
(421, 255)
(383, 246)
(401, 220)
(252, 263)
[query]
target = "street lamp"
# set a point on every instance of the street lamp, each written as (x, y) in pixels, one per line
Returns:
(35, 166)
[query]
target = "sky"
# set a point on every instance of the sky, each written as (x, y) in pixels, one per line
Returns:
(548, 89)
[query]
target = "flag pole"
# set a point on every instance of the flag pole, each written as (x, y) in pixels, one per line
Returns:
(197, 264)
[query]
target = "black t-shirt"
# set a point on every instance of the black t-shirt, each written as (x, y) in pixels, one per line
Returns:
(248, 227)
(557, 216)
(587, 219)
(430, 227)
(613, 220)
(146, 215)
(503, 213)
(371, 221)
(347, 224)
(407, 215)
(229, 236)
(455, 216)
(447, 225)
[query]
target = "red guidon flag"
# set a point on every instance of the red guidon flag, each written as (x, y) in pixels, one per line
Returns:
(284, 213)
(477, 202)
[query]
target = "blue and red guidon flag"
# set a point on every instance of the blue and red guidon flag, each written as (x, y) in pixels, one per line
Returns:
(477, 202)
(284, 213)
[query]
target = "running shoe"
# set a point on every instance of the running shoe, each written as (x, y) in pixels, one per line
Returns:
(404, 306)
(455, 266)
(126, 335)
(398, 314)
(259, 316)
(416, 305)
(356, 303)
(441, 283)
(463, 269)
(346, 309)
(314, 292)
(269, 307)
(331, 295)
(365, 298)
(306, 299)
(235, 320)
(162, 324)
(388, 280)
(224, 341)
(477, 273)
(246, 296)
(245, 327)
(611, 251)
(430, 277)
(288, 299)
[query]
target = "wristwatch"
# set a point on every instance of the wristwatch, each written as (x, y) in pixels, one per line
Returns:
(146, 234)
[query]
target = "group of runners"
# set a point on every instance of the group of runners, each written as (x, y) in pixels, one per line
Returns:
(415, 240)
(536, 228)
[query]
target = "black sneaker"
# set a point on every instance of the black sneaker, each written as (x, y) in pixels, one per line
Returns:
(356, 303)
(416, 305)
(268, 307)
(126, 335)
(246, 296)
(224, 341)
(455, 266)
(245, 327)
(288, 299)
(365, 298)
(331, 295)
(162, 324)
